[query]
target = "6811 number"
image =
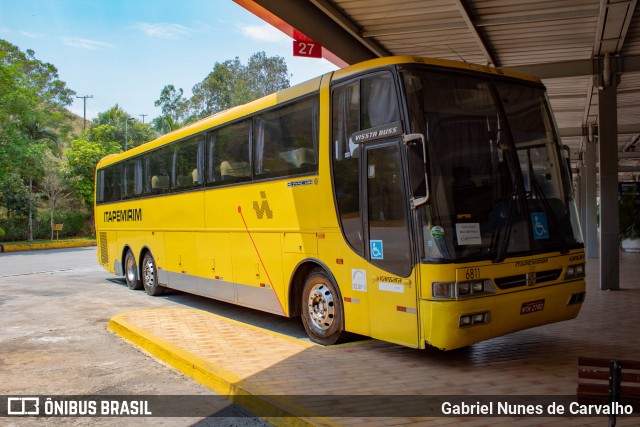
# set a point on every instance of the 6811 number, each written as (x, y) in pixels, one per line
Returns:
(472, 273)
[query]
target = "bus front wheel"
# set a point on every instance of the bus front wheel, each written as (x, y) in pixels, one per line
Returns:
(131, 271)
(322, 313)
(150, 276)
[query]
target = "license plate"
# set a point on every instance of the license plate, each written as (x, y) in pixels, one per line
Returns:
(532, 306)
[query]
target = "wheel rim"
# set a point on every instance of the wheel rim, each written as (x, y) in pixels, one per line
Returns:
(149, 274)
(321, 306)
(131, 270)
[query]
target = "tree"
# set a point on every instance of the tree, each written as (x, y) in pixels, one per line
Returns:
(172, 104)
(115, 124)
(33, 117)
(165, 124)
(231, 83)
(36, 133)
(41, 77)
(82, 160)
(55, 190)
(14, 195)
(221, 89)
(30, 93)
(266, 75)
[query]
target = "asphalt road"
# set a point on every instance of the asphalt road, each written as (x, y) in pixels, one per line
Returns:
(54, 309)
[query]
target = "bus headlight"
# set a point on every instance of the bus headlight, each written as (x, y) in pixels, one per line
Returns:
(574, 271)
(473, 288)
(462, 289)
(477, 287)
(474, 319)
(442, 289)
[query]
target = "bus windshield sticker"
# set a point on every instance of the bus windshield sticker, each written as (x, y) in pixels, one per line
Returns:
(539, 224)
(468, 233)
(376, 249)
(359, 279)
(371, 134)
(437, 232)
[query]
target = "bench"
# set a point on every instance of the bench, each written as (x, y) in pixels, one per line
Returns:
(604, 381)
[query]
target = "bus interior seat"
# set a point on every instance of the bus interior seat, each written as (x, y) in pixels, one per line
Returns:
(159, 183)
(184, 180)
(304, 157)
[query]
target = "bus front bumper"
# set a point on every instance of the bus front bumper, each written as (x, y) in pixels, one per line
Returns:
(452, 324)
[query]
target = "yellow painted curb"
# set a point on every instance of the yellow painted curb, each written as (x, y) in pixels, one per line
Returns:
(52, 245)
(218, 379)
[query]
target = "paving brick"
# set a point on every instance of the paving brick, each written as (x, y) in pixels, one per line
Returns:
(539, 361)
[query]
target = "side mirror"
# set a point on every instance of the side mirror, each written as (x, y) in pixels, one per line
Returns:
(417, 166)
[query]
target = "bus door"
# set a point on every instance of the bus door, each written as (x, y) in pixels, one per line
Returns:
(393, 296)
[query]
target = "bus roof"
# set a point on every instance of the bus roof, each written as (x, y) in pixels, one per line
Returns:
(299, 90)
(396, 60)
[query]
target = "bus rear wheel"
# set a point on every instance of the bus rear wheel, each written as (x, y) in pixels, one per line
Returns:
(322, 313)
(131, 271)
(150, 276)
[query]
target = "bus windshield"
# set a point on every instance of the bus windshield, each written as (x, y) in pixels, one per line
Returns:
(499, 184)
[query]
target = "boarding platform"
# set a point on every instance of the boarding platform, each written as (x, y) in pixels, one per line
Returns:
(293, 381)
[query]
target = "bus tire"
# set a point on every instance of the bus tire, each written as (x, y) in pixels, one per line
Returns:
(131, 271)
(150, 276)
(322, 312)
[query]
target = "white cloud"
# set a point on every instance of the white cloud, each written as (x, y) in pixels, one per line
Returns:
(85, 43)
(164, 30)
(265, 33)
(32, 35)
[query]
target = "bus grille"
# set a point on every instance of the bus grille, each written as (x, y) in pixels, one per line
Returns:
(104, 250)
(521, 279)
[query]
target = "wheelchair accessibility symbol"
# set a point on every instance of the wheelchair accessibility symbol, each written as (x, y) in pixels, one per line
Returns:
(376, 249)
(539, 224)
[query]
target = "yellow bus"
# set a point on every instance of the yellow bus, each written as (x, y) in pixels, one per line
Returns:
(416, 201)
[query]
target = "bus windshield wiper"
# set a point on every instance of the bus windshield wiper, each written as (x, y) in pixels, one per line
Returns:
(504, 242)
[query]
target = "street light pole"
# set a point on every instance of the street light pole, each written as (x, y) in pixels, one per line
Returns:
(84, 121)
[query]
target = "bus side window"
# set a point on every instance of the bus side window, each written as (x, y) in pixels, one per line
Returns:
(213, 156)
(186, 164)
(100, 186)
(112, 183)
(132, 178)
(379, 105)
(158, 165)
(233, 144)
(286, 140)
(345, 110)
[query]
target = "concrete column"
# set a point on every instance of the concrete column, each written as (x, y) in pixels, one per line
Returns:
(608, 156)
(580, 190)
(590, 225)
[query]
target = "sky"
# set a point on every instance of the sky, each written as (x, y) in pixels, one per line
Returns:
(125, 51)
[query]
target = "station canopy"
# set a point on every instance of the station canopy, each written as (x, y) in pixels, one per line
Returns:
(574, 46)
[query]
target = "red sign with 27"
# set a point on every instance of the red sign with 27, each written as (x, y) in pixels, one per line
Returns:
(308, 49)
